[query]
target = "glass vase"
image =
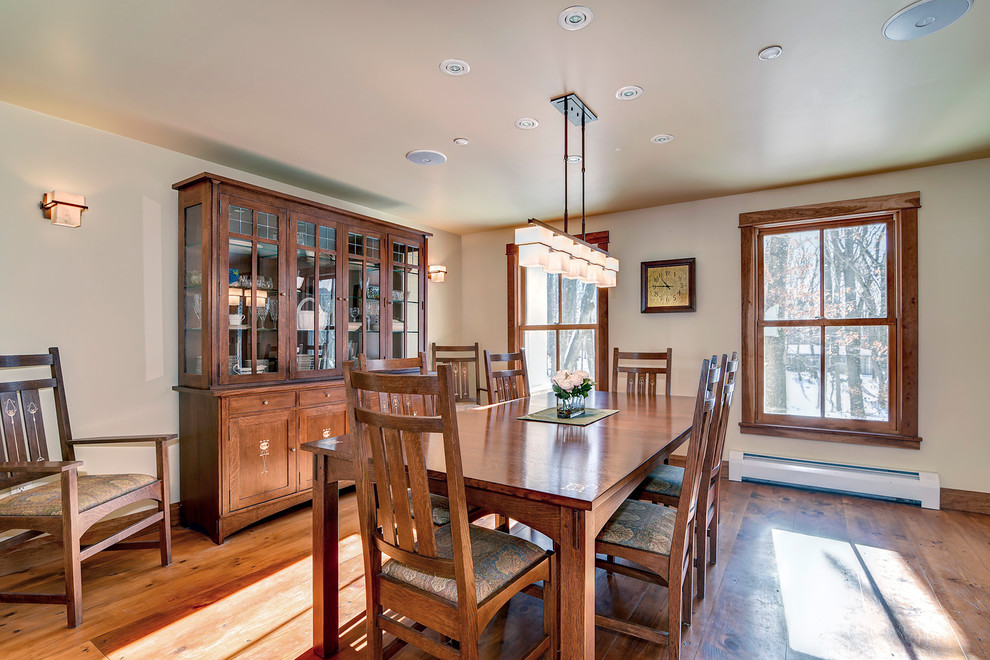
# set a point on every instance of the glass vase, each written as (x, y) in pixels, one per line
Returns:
(570, 407)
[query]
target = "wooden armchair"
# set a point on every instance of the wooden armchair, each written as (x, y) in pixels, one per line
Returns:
(642, 379)
(66, 508)
(451, 579)
(461, 362)
(510, 383)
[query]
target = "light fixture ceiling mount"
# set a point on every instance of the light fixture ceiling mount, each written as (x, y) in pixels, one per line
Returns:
(558, 252)
(575, 18)
(426, 157)
(923, 18)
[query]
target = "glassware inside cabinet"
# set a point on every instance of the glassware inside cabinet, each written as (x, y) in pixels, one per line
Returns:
(355, 303)
(316, 286)
(252, 292)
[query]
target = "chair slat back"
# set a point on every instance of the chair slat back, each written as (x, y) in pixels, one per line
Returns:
(401, 404)
(22, 422)
(390, 449)
(464, 390)
(510, 383)
(703, 410)
(642, 379)
(721, 420)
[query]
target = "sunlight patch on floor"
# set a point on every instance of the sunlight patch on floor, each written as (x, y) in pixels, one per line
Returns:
(844, 601)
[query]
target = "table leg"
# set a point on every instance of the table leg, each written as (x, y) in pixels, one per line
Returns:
(326, 621)
(577, 585)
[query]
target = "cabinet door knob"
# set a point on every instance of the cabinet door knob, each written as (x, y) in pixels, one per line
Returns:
(292, 448)
(264, 403)
(326, 394)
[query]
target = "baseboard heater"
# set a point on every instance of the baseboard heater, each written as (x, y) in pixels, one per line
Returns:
(898, 485)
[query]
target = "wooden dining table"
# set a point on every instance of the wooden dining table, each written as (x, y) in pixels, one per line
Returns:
(564, 481)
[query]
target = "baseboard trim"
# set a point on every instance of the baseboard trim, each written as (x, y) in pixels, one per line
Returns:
(970, 501)
(43, 549)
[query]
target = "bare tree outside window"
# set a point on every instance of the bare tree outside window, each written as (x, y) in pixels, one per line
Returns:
(830, 320)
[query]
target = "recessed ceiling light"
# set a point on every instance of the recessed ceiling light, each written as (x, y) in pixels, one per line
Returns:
(526, 123)
(924, 17)
(454, 67)
(573, 159)
(663, 138)
(629, 92)
(461, 141)
(575, 18)
(770, 53)
(426, 157)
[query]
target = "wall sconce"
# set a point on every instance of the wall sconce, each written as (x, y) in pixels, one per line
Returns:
(64, 209)
(437, 273)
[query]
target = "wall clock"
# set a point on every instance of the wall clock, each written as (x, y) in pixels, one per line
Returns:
(668, 286)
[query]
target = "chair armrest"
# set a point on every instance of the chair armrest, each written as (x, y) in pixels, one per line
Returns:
(109, 440)
(41, 467)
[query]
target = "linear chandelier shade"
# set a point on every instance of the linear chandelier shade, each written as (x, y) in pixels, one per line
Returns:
(556, 251)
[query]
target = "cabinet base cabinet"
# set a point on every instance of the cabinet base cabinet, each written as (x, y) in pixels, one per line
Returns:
(239, 454)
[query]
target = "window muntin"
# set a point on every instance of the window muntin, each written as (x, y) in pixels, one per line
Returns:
(854, 346)
(819, 359)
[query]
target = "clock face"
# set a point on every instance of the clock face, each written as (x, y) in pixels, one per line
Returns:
(668, 286)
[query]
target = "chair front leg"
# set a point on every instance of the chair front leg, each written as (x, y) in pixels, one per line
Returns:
(165, 506)
(70, 547)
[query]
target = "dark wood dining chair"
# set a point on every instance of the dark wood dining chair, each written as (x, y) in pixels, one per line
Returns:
(462, 360)
(509, 383)
(451, 579)
(408, 404)
(410, 365)
(69, 506)
(659, 539)
(663, 486)
(640, 378)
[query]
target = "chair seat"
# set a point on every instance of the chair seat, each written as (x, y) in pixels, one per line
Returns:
(665, 480)
(641, 526)
(94, 490)
(498, 559)
(441, 508)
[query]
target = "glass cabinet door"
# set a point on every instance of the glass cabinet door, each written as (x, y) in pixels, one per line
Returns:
(252, 290)
(405, 299)
(364, 305)
(315, 297)
(192, 290)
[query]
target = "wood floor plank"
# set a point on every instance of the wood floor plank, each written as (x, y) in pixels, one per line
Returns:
(251, 597)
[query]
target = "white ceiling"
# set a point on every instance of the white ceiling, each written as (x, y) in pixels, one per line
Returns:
(330, 95)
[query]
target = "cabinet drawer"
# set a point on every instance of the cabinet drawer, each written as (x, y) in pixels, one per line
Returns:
(322, 396)
(261, 402)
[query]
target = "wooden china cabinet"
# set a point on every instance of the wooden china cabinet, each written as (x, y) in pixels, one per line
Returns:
(276, 292)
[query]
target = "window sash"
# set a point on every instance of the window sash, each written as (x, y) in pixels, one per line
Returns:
(899, 214)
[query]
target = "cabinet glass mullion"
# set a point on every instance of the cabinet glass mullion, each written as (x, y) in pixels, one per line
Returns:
(315, 297)
(252, 291)
(405, 300)
(364, 303)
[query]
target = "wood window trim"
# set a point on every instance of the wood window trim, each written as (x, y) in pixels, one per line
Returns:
(515, 300)
(903, 208)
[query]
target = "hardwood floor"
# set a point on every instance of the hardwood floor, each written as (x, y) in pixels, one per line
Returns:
(801, 575)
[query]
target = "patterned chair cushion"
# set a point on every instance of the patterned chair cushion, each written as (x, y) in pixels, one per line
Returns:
(665, 480)
(641, 526)
(498, 559)
(94, 490)
(441, 508)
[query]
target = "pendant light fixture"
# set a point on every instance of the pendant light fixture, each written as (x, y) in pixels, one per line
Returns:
(556, 251)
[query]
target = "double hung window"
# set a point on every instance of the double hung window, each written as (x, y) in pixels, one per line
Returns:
(830, 321)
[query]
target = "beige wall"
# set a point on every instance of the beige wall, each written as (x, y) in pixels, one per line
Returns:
(105, 294)
(954, 233)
